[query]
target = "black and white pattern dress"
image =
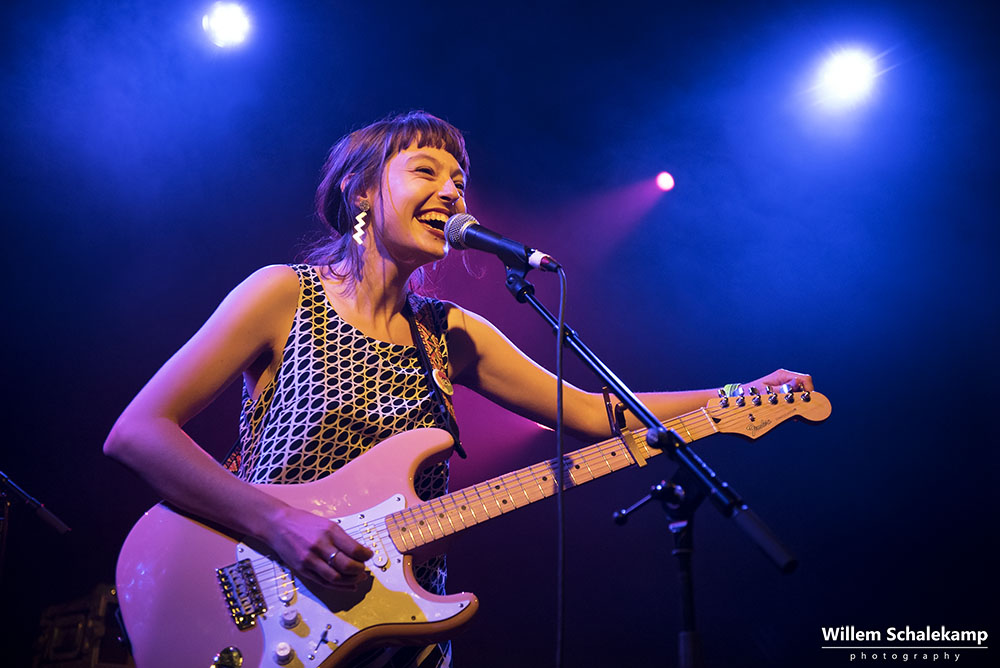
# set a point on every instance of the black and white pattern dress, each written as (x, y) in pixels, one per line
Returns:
(336, 394)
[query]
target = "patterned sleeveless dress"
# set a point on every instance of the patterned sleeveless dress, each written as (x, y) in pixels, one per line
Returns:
(336, 394)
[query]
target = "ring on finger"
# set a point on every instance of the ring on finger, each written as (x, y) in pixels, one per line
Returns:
(329, 560)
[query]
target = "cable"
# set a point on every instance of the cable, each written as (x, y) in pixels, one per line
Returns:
(560, 515)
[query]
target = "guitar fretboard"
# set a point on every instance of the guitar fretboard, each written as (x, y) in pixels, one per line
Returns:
(426, 522)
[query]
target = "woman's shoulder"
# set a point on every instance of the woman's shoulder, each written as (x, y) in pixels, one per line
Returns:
(275, 277)
(276, 285)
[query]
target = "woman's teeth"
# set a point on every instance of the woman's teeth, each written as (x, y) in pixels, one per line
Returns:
(436, 221)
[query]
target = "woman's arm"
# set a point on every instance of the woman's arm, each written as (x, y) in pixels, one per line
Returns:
(248, 328)
(484, 360)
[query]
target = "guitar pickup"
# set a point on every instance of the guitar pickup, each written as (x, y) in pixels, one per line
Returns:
(242, 592)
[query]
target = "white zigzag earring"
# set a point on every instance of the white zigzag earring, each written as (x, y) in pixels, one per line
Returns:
(359, 229)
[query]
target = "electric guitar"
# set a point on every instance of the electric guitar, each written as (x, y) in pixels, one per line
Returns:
(195, 594)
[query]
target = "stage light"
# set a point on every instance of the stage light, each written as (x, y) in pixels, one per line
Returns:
(226, 24)
(665, 181)
(846, 78)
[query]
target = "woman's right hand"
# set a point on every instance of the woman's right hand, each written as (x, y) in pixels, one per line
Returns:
(305, 543)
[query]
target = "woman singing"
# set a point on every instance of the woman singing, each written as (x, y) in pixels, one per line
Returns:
(331, 363)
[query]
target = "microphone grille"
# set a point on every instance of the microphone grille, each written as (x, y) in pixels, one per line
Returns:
(454, 229)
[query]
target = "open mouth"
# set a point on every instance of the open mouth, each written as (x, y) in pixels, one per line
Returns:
(434, 220)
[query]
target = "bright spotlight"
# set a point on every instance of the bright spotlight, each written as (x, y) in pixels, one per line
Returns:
(846, 78)
(664, 181)
(226, 24)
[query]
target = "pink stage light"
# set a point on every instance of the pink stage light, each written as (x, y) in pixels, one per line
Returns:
(665, 181)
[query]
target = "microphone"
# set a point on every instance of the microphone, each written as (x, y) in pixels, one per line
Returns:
(463, 231)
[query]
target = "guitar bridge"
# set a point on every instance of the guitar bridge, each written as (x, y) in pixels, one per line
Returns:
(242, 592)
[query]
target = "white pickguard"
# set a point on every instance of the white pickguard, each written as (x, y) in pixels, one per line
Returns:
(317, 626)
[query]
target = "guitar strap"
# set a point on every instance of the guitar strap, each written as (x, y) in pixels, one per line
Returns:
(428, 334)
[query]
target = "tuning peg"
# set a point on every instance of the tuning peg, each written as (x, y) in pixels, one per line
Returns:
(789, 398)
(806, 396)
(754, 391)
(740, 401)
(723, 399)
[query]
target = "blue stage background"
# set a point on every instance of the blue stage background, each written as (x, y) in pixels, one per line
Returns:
(146, 173)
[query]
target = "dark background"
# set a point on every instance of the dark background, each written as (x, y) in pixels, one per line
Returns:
(145, 173)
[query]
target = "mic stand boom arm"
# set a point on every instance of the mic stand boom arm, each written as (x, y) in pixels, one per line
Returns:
(728, 502)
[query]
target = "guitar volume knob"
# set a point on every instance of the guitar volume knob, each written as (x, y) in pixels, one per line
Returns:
(283, 654)
(290, 619)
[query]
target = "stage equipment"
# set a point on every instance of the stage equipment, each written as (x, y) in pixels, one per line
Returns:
(82, 634)
(664, 181)
(846, 78)
(8, 490)
(226, 24)
(694, 477)
(463, 231)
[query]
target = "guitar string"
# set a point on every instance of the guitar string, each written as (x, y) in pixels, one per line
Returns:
(597, 454)
(513, 483)
(520, 480)
(425, 515)
(510, 484)
(485, 497)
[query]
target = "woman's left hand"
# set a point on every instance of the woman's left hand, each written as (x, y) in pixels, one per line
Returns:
(795, 381)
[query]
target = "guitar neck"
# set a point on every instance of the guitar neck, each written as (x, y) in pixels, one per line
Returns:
(426, 522)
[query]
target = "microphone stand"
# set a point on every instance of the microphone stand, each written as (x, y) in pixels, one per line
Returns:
(9, 487)
(694, 474)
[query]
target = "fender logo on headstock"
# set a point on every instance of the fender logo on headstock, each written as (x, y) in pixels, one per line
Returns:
(754, 428)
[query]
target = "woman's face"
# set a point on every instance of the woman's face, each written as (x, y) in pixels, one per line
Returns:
(421, 189)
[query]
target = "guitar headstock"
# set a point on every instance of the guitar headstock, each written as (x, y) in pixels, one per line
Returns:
(754, 415)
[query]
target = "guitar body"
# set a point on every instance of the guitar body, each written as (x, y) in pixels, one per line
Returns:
(180, 610)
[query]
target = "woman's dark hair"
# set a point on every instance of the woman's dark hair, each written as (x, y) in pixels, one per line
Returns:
(357, 162)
